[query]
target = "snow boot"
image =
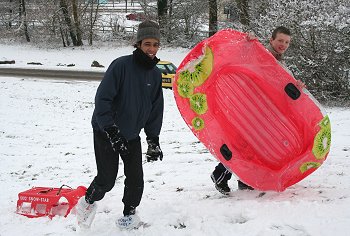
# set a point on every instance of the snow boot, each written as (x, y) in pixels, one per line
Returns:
(221, 186)
(243, 186)
(130, 220)
(85, 213)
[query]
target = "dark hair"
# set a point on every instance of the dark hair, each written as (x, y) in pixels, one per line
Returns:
(137, 44)
(280, 29)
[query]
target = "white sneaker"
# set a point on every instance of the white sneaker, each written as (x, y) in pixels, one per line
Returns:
(128, 222)
(85, 213)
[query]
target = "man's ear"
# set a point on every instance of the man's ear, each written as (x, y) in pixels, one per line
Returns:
(138, 44)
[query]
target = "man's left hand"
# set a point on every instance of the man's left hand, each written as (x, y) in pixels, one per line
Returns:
(153, 152)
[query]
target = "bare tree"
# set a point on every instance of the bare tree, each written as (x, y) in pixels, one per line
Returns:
(213, 17)
(66, 15)
(77, 23)
(243, 8)
(162, 14)
(92, 19)
(23, 17)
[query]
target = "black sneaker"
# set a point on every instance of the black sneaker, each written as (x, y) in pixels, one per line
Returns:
(243, 186)
(222, 187)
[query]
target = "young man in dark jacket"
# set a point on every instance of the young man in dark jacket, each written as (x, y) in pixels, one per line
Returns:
(129, 99)
(279, 43)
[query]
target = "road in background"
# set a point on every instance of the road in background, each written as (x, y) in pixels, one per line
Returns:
(56, 74)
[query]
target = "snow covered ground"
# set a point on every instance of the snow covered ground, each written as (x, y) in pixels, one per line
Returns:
(46, 140)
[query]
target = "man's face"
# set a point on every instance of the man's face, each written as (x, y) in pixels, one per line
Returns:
(150, 47)
(281, 43)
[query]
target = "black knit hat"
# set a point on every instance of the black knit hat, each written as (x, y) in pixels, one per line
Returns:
(148, 29)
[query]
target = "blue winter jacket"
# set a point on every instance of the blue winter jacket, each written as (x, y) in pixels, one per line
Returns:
(131, 97)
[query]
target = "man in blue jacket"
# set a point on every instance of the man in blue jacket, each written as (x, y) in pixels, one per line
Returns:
(129, 99)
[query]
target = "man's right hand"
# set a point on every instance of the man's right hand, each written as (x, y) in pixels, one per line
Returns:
(251, 36)
(118, 141)
(300, 84)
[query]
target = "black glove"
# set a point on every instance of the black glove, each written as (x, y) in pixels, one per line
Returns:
(118, 141)
(153, 152)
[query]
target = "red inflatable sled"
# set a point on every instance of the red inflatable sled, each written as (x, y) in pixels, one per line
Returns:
(250, 114)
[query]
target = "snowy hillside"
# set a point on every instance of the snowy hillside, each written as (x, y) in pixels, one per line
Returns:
(46, 140)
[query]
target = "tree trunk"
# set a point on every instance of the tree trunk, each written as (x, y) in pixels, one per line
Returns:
(162, 15)
(68, 21)
(93, 18)
(91, 23)
(62, 36)
(213, 17)
(243, 12)
(23, 16)
(77, 23)
(11, 16)
(170, 15)
(170, 7)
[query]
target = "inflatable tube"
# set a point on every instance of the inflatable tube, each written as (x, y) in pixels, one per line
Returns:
(248, 111)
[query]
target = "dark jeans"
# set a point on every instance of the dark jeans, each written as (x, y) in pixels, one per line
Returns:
(221, 174)
(107, 161)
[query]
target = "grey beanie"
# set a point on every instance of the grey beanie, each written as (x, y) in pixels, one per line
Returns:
(148, 29)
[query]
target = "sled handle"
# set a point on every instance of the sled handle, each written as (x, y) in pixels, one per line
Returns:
(60, 189)
(45, 191)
